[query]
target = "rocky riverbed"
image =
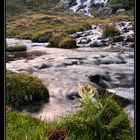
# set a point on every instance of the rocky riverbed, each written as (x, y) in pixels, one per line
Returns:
(62, 69)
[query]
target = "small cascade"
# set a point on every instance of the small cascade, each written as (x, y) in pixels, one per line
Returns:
(85, 5)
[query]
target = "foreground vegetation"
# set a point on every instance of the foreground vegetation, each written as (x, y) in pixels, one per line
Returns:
(104, 119)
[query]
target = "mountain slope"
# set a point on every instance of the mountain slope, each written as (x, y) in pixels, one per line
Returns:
(34, 19)
(16, 7)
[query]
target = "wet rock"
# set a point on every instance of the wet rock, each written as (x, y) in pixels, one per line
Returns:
(72, 3)
(121, 24)
(78, 34)
(118, 38)
(125, 30)
(84, 41)
(95, 44)
(43, 39)
(87, 33)
(44, 66)
(99, 38)
(131, 45)
(100, 80)
(94, 26)
(120, 11)
(129, 39)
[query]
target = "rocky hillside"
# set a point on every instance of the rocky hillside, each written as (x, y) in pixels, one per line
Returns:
(14, 7)
(82, 6)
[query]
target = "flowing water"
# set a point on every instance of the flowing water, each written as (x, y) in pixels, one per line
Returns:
(62, 69)
(85, 5)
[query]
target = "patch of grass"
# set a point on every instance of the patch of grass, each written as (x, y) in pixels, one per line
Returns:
(62, 40)
(104, 119)
(70, 30)
(16, 48)
(67, 42)
(23, 89)
(23, 127)
(110, 31)
(121, 17)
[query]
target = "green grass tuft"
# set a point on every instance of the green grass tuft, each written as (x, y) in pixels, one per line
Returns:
(16, 48)
(62, 40)
(110, 31)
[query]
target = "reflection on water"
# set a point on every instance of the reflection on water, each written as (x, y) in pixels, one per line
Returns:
(12, 56)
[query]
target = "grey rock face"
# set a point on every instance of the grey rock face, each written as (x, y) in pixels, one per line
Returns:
(118, 38)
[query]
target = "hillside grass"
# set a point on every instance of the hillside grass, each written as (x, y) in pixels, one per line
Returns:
(39, 25)
(34, 25)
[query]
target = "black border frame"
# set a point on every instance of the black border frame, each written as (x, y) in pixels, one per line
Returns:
(2, 69)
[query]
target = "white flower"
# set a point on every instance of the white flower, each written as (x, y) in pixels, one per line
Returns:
(86, 90)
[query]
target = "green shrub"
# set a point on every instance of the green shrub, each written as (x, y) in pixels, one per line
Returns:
(110, 31)
(118, 4)
(67, 42)
(23, 89)
(16, 48)
(62, 40)
(55, 39)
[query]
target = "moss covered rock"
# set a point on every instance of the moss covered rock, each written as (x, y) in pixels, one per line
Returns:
(23, 89)
(16, 48)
